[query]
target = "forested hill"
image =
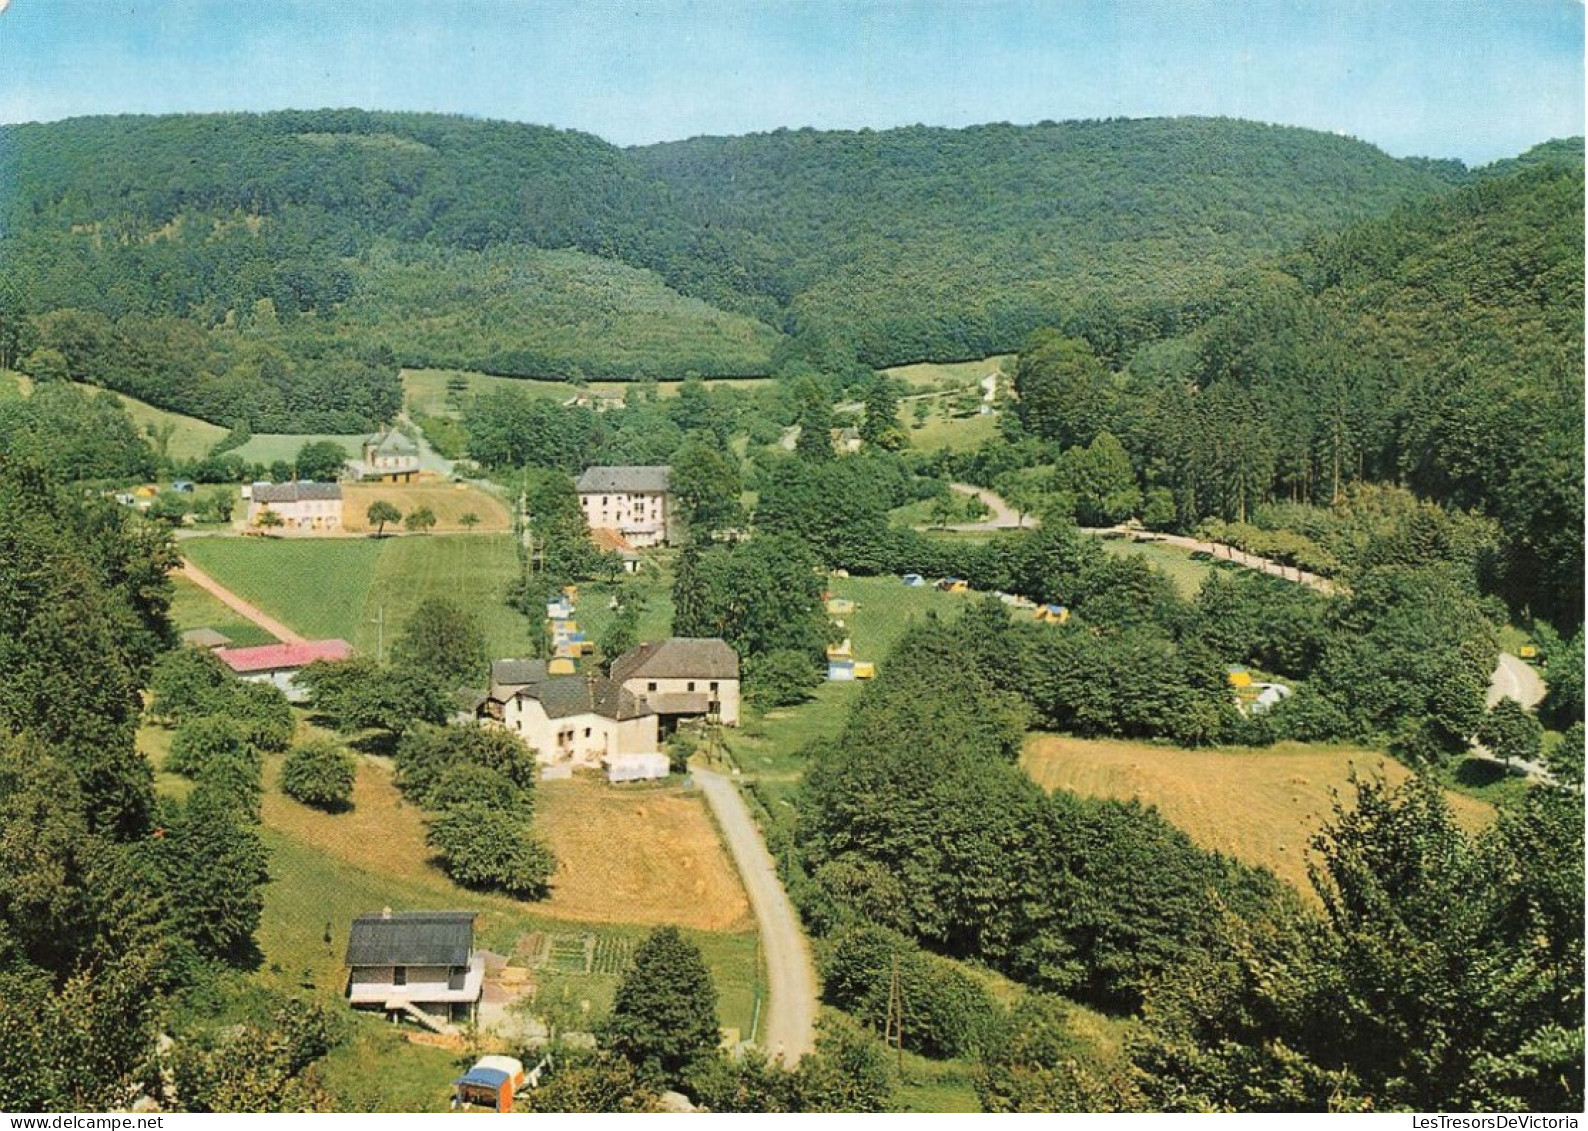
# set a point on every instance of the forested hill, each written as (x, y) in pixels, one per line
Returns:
(897, 245)
(931, 243)
(1439, 347)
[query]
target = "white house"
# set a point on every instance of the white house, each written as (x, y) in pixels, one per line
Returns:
(388, 456)
(300, 506)
(683, 678)
(631, 501)
(579, 721)
(416, 963)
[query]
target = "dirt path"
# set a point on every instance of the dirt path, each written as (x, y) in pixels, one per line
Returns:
(788, 1031)
(1515, 679)
(1232, 554)
(232, 601)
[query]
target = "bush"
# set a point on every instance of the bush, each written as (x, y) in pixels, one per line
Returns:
(319, 773)
(946, 1012)
(427, 752)
(188, 682)
(782, 678)
(263, 713)
(200, 741)
(490, 849)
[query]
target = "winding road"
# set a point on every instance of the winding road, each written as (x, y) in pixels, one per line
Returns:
(789, 1025)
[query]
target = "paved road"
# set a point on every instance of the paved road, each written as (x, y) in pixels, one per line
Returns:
(252, 612)
(1514, 678)
(429, 458)
(788, 1026)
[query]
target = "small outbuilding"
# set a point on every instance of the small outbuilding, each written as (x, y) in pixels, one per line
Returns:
(280, 663)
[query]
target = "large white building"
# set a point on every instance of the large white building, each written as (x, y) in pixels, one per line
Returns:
(632, 501)
(577, 721)
(301, 506)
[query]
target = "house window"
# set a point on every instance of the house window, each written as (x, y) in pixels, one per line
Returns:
(587, 732)
(712, 685)
(691, 685)
(399, 975)
(651, 686)
(455, 977)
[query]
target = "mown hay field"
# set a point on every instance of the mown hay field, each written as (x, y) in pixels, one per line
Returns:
(449, 502)
(1261, 806)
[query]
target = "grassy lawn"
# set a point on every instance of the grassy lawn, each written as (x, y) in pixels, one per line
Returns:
(317, 587)
(956, 433)
(473, 570)
(1173, 561)
(363, 589)
(425, 390)
(192, 607)
(267, 447)
(190, 437)
(933, 374)
(1259, 805)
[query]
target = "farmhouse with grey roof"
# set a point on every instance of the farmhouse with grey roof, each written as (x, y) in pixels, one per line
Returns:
(683, 677)
(578, 721)
(302, 507)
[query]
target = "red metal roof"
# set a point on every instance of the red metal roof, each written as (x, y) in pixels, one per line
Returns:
(268, 657)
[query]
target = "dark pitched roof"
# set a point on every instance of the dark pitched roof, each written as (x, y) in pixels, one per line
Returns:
(678, 657)
(411, 938)
(517, 673)
(295, 492)
(624, 480)
(567, 695)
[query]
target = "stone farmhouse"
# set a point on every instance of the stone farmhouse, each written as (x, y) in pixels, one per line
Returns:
(683, 678)
(631, 501)
(301, 506)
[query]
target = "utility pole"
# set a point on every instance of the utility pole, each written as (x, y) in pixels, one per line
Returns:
(894, 1026)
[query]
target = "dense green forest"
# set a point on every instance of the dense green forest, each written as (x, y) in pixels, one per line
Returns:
(1439, 347)
(934, 243)
(225, 262)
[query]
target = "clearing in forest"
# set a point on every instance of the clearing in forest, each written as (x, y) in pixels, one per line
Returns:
(1261, 806)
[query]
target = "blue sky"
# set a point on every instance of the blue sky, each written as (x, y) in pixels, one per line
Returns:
(1475, 79)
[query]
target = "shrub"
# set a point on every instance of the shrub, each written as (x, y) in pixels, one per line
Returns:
(491, 849)
(946, 1012)
(319, 773)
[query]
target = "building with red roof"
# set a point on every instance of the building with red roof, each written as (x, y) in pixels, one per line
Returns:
(278, 663)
